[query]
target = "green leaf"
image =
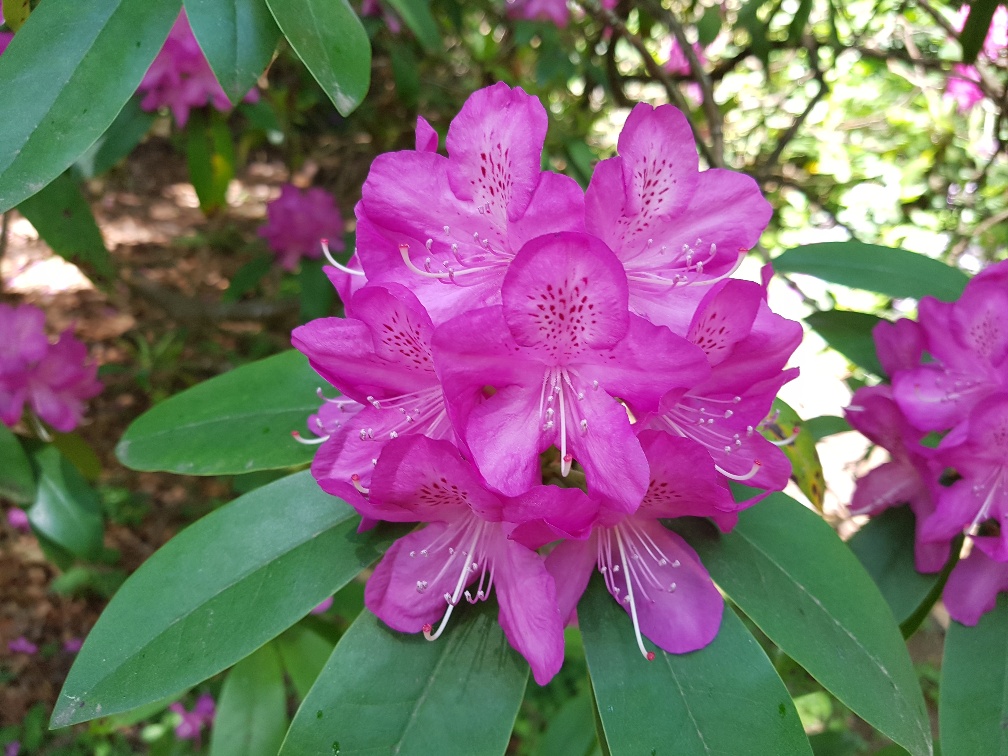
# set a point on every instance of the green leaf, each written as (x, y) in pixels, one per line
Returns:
(799, 583)
(329, 38)
(304, 654)
(571, 730)
(63, 219)
(887, 270)
(806, 468)
(386, 692)
(211, 158)
(685, 699)
(885, 546)
(709, 26)
(66, 508)
(850, 333)
(16, 12)
(216, 592)
(978, 23)
(17, 479)
(238, 38)
(79, 452)
(973, 702)
(251, 716)
(826, 425)
(67, 74)
(119, 139)
(417, 16)
(238, 422)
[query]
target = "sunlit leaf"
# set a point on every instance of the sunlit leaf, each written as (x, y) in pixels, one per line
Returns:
(329, 38)
(238, 422)
(685, 699)
(238, 39)
(886, 270)
(386, 692)
(66, 74)
(786, 569)
(798, 444)
(211, 158)
(216, 592)
(850, 333)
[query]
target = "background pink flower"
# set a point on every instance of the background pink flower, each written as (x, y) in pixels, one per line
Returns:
(297, 221)
(180, 77)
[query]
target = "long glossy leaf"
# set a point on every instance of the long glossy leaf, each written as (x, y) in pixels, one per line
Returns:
(66, 508)
(887, 270)
(885, 546)
(238, 38)
(216, 592)
(571, 730)
(850, 333)
(725, 698)
(63, 219)
(66, 75)
(119, 139)
(794, 577)
(329, 38)
(973, 703)
(386, 692)
(251, 716)
(17, 479)
(211, 158)
(800, 448)
(238, 422)
(304, 654)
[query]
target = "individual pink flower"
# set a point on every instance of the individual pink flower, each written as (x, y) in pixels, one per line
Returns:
(193, 722)
(299, 221)
(451, 225)
(558, 352)
(380, 359)
(378, 8)
(22, 645)
(539, 10)
(53, 379)
(969, 341)
(973, 586)
(323, 607)
(425, 575)
(909, 477)
(978, 452)
(181, 79)
(677, 63)
(652, 572)
(17, 518)
(747, 346)
(962, 85)
(670, 224)
(73, 645)
(13, 748)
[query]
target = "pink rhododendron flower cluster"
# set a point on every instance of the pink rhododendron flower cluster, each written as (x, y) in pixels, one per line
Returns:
(54, 379)
(181, 79)
(555, 11)
(541, 374)
(963, 85)
(297, 220)
(949, 381)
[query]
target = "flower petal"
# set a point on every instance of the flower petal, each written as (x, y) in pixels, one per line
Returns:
(571, 564)
(973, 586)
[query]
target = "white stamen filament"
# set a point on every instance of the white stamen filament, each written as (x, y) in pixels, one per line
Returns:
(453, 598)
(336, 263)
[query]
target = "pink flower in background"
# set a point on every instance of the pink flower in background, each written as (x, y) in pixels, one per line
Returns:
(962, 86)
(378, 8)
(194, 721)
(22, 645)
(960, 396)
(13, 748)
(298, 220)
(53, 379)
(17, 518)
(73, 645)
(181, 79)
(324, 607)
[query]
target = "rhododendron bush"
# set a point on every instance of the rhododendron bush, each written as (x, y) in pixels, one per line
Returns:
(528, 442)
